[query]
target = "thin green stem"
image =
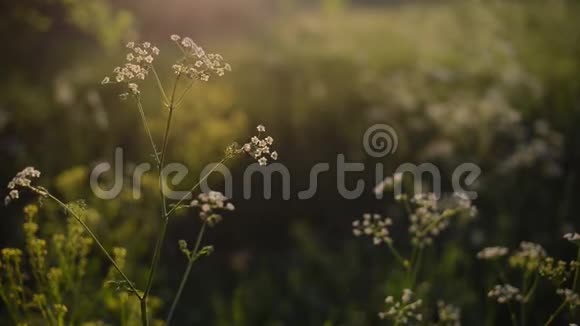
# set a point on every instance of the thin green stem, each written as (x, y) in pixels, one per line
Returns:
(163, 230)
(159, 84)
(413, 255)
(144, 314)
(12, 312)
(94, 237)
(415, 268)
(183, 94)
(407, 206)
(512, 315)
(500, 272)
(435, 222)
(156, 256)
(175, 206)
(525, 282)
(399, 258)
(528, 296)
(555, 314)
(185, 276)
(165, 141)
(147, 130)
(575, 282)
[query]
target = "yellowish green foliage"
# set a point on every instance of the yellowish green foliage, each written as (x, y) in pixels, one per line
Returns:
(58, 266)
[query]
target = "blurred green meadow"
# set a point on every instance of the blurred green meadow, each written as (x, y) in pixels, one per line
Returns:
(495, 83)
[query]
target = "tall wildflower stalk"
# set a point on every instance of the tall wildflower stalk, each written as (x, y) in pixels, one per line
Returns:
(195, 65)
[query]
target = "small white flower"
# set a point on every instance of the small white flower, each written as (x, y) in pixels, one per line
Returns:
(210, 204)
(14, 194)
(130, 45)
(146, 45)
(572, 237)
(405, 311)
(571, 298)
(406, 295)
(259, 148)
(106, 80)
(155, 50)
(134, 88)
(130, 57)
(375, 227)
(175, 37)
(492, 252)
(505, 293)
(188, 42)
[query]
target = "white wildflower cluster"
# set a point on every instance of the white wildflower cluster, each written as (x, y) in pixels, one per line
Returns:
(259, 147)
(448, 314)
(573, 237)
(529, 256)
(210, 204)
(426, 221)
(139, 61)
(196, 64)
(405, 311)
(461, 204)
(505, 293)
(373, 226)
(542, 149)
(431, 216)
(572, 299)
(22, 179)
(490, 253)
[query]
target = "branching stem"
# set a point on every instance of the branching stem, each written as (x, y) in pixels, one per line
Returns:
(94, 237)
(184, 278)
